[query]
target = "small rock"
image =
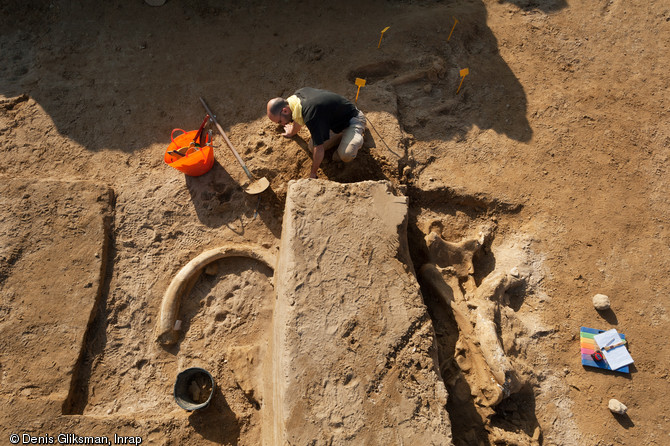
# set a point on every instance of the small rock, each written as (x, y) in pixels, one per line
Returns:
(601, 302)
(407, 171)
(212, 269)
(427, 88)
(537, 433)
(514, 272)
(617, 407)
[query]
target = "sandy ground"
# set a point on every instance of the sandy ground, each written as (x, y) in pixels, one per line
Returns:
(559, 137)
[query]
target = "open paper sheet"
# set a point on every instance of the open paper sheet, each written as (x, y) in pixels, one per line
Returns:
(616, 357)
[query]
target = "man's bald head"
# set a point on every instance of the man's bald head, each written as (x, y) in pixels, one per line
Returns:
(275, 107)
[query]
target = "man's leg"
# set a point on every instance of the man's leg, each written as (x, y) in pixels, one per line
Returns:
(352, 139)
(332, 142)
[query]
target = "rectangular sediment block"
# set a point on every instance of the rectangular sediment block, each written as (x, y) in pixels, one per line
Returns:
(52, 251)
(354, 357)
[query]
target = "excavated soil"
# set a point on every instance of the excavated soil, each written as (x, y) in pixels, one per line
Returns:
(557, 144)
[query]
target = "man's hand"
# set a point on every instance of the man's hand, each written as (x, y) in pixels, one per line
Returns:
(288, 130)
(317, 157)
(291, 129)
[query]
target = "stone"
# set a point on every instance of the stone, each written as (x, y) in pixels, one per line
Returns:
(536, 433)
(601, 302)
(617, 407)
(212, 269)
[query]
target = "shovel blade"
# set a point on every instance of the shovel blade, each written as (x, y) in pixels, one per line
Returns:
(257, 186)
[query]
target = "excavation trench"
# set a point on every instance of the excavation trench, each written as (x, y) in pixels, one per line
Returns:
(374, 314)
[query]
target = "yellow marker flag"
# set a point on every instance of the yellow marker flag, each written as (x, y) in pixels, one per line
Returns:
(464, 72)
(360, 83)
(380, 37)
(452, 28)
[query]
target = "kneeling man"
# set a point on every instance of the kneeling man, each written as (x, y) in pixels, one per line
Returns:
(328, 116)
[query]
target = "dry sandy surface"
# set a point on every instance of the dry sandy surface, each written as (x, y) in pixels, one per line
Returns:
(556, 147)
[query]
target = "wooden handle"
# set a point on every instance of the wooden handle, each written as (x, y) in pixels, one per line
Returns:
(237, 155)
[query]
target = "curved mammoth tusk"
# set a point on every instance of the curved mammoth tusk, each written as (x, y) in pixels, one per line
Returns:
(188, 275)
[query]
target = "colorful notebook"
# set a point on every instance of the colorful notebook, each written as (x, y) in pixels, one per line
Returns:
(588, 346)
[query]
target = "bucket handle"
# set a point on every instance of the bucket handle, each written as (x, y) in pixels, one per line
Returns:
(174, 130)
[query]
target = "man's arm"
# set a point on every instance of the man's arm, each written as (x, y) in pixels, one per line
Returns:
(292, 129)
(317, 157)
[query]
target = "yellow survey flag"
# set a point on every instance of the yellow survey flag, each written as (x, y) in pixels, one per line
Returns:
(452, 28)
(380, 37)
(464, 72)
(360, 83)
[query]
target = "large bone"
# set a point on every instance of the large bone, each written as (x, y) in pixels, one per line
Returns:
(188, 275)
(479, 352)
(484, 386)
(488, 297)
(454, 255)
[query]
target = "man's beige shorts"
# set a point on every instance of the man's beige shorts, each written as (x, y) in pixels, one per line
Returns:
(350, 140)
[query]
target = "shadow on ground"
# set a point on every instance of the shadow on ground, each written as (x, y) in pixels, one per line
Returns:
(120, 75)
(217, 422)
(546, 6)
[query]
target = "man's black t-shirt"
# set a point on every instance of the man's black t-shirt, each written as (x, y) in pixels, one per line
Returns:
(323, 111)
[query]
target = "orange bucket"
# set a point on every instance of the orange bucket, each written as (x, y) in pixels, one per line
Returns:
(196, 162)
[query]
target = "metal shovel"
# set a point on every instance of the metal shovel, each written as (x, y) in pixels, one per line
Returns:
(257, 185)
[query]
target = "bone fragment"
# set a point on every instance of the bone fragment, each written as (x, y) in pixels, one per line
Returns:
(435, 71)
(409, 77)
